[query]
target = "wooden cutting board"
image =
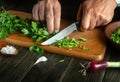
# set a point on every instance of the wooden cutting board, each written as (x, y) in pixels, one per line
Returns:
(96, 41)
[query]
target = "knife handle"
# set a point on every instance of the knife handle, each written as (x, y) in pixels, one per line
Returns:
(78, 24)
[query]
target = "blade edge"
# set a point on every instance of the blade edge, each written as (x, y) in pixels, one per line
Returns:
(65, 32)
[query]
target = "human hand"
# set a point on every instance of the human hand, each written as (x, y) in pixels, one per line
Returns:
(95, 13)
(49, 10)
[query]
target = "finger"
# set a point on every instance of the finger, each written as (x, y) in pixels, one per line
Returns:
(106, 21)
(79, 13)
(35, 12)
(49, 19)
(101, 21)
(42, 11)
(92, 24)
(92, 21)
(85, 22)
(57, 17)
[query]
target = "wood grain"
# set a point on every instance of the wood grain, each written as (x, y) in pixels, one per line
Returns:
(96, 41)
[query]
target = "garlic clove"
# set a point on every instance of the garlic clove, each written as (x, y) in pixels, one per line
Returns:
(9, 50)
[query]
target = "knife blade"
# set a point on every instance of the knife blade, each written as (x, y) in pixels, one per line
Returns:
(65, 32)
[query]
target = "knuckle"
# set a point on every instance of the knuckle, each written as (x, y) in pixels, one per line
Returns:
(48, 5)
(35, 6)
(106, 19)
(88, 9)
(58, 5)
(48, 16)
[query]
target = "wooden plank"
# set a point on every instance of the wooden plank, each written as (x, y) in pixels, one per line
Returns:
(94, 38)
(14, 68)
(49, 71)
(112, 74)
(70, 72)
(74, 74)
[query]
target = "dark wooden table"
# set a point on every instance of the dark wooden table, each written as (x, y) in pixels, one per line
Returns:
(21, 68)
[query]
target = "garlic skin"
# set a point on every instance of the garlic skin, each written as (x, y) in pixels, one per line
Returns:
(8, 49)
(41, 59)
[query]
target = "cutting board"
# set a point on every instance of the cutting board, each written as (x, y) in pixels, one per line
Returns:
(96, 41)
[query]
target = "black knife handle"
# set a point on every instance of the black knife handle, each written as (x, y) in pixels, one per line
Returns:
(78, 24)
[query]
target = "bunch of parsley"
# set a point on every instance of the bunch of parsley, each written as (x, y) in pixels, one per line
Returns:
(8, 24)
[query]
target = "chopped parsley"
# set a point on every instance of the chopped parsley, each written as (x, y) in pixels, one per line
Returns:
(115, 37)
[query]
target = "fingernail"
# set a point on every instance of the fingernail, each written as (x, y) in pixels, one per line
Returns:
(50, 32)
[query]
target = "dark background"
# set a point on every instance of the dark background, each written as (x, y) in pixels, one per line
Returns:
(69, 7)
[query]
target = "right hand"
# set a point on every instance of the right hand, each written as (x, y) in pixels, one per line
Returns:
(49, 10)
(94, 13)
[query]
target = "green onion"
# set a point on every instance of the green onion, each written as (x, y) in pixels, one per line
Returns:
(66, 43)
(94, 66)
(70, 43)
(61, 60)
(83, 39)
(83, 47)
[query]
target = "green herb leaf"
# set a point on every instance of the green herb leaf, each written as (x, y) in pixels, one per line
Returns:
(37, 49)
(115, 37)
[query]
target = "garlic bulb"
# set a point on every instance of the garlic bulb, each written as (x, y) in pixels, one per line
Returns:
(8, 50)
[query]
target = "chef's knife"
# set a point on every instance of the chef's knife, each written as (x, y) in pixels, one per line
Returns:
(65, 32)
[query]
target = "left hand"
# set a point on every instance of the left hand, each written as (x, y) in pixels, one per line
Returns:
(50, 11)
